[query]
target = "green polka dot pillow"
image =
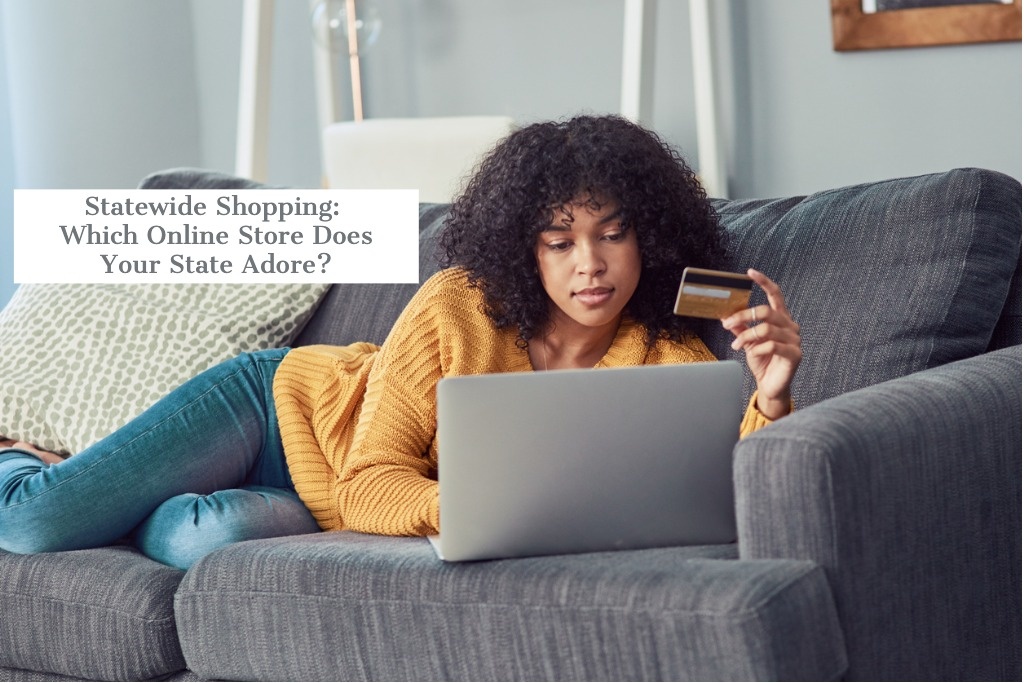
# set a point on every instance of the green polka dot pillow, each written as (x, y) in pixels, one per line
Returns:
(78, 361)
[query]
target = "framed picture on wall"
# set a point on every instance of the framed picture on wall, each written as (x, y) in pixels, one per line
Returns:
(875, 24)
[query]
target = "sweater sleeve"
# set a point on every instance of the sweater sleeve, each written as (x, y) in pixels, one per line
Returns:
(385, 485)
(754, 419)
(317, 392)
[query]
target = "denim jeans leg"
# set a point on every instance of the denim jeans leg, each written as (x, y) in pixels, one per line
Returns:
(217, 431)
(186, 527)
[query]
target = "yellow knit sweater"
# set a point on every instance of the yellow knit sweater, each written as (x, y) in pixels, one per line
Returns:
(359, 422)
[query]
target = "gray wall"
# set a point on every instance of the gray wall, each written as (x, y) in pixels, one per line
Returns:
(99, 93)
(6, 183)
(799, 117)
(811, 118)
(93, 94)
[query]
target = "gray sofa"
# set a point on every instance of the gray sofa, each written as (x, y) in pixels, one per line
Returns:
(879, 525)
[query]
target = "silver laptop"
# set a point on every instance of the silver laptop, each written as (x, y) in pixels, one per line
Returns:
(569, 461)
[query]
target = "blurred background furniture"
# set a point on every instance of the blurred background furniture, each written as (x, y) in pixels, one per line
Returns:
(350, 26)
(432, 155)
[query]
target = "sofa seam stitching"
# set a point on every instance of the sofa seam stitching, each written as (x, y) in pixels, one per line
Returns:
(746, 613)
(78, 603)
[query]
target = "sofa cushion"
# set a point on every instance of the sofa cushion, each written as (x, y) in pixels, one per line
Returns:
(345, 606)
(79, 361)
(886, 278)
(104, 614)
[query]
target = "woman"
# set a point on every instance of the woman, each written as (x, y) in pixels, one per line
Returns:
(564, 251)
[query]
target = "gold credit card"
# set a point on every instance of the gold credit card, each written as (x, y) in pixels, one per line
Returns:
(712, 293)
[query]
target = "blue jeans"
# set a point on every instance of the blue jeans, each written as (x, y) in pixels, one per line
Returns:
(201, 468)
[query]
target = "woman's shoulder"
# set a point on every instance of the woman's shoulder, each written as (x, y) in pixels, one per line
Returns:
(445, 299)
(446, 314)
(449, 288)
(447, 280)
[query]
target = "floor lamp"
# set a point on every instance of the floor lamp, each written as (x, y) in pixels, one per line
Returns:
(254, 77)
(637, 95)
(254, 90)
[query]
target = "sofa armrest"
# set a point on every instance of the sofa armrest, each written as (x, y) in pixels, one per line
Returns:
(908, 493)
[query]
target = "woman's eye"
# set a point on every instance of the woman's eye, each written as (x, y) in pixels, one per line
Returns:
(616, 236)
(558, 246)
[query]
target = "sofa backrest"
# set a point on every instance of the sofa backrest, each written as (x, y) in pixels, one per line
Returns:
(885, 278)
(1008, 329)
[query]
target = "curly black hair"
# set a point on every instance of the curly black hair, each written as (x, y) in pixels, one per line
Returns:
(492, 228)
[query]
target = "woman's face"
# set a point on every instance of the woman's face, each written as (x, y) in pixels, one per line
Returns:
(589, 265)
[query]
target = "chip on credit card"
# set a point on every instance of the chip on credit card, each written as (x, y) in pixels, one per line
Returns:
(714, 294)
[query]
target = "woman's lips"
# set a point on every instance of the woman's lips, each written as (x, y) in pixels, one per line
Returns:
(594, 296)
